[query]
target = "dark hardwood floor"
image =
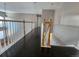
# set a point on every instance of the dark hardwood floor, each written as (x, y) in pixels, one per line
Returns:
(33, 49)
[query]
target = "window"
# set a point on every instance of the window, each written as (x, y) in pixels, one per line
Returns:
(1, 35)
(1, 30)
(9, 31)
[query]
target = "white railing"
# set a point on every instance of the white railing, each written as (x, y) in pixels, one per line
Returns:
(15, 30)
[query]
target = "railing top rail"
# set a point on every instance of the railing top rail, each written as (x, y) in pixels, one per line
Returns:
(17, 21)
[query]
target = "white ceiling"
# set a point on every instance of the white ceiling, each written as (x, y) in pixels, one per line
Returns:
(37, 7)
(29, 7)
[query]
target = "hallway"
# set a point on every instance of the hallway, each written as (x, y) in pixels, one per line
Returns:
(39, 29)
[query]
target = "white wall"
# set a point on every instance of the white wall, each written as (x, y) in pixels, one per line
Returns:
(68, 35)
(70, 14)
(67, 30)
